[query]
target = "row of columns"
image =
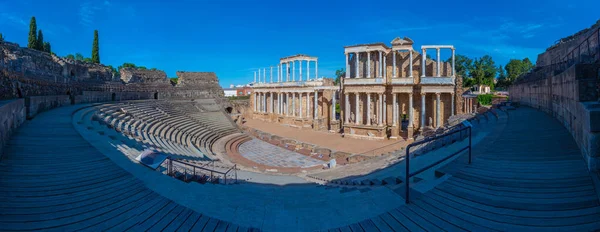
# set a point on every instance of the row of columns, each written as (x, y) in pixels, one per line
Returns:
(468, 105)
(381, 73)
(381, 109)
(286, 103)
(284, 71)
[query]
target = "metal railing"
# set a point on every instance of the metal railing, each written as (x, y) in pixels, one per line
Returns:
(383, 149)
(190, 172)
(428, 140)
(586, 48)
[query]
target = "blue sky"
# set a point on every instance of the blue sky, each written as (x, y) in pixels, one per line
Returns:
(234, 38)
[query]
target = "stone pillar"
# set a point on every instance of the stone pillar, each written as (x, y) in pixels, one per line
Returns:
(264, 75)
(287, 104)
(294, 70)
(423, 59)
(410, 110)
(300, 73)
(287, 71)
(346, 107)
(308, 105)
(316, 104)
(453, 63)
(301, 100)
(255, 100)
(357, 65)
(380, 111)
(293, 104)
(347, 68)
(395, 109)
(394, 65)
(369, 64)
(271, 77)
(278, 74)
(384, 110)
(423, 119)
(439, 62)
(410, 65)
(333, 106)
(259, 75)
(356, 112)
(254, 76)
(368, 109)
(307, 70)
(380, 73)
(265, 102)
(452, 106)
(384, 68)
(316, 69)
(438, 117)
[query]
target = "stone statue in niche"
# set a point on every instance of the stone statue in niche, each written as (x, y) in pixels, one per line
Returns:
(430, 122)
(352, 117)
(374, 119)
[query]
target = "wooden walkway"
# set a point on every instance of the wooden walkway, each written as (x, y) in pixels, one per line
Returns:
(52, 179)
(528, 176)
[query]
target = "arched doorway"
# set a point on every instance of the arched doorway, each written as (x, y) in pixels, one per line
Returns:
(114, 96)
(155, 95)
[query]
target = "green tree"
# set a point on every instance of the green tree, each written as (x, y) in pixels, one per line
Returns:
(40, 41)
(340, 73)
(95, 49)
(1, 38)
(483, 71)
(462, 65)
(87, 60)
(47, 47)
(78, 56)
(70, 56)
(113, 69)
(142, 68)
(516, 68)
(32, 40)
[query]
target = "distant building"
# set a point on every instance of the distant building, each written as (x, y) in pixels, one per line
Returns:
(481, 89)
(244, 91)
(229, 92)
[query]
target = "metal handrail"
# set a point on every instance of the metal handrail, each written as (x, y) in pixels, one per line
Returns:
(194, 167)
(409, 174)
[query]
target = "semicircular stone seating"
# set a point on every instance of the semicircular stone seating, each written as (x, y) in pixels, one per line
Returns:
(54, 180)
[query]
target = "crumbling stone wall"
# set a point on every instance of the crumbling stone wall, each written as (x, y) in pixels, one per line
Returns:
(134, 75)
(12, 115)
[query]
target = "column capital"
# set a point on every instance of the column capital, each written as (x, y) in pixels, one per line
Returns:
(423, 93)
(438, 94)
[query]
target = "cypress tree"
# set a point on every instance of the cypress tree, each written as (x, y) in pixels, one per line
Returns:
(95, 49)
(47, 47)
(40, 41)
(32, 40)
(1, 38)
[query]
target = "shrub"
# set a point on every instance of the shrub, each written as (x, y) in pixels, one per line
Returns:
(485, 99)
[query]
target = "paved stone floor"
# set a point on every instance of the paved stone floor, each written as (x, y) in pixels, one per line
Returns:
(323, 139)
(271, 155)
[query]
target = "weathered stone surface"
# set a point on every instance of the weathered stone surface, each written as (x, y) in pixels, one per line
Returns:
(133, 75)
(12, 115)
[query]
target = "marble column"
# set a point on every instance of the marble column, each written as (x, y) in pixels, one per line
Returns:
(423, 59)
(453, 63)
(347, 68)
(410, 63)
(384, 68)
(316, 69)
(272, 102)
(254, 76)
(301, 101)
(423, 119)
(307, 70)
(357, 65)
(333, 106)
(356, 112)
(264, 75)
(395, 109)
(380, 72)
(394, 64)
(439, 62)
(308, 105)
(255, 100)
(384, 110)
(452, 106)
(259, 75)
(287, 71)
(300, 73)
(438, 117)
(287, 104)
(380, 111)
(368, 109)
(265, 102)
(316, 99)
(410, 110)
(294, 70)
(271, 74)
(278, 73)
(368, 64)
(293, 104)
(347, 107)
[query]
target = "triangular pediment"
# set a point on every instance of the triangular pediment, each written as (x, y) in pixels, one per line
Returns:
(403, 41)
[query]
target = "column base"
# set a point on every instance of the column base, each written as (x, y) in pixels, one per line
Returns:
(395, 132)
(410, 133)
(334, 126)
